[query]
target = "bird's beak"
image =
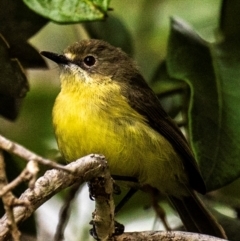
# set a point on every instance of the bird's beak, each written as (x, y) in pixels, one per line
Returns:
(57, 58)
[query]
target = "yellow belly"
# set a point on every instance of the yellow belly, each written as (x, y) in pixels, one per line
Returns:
(101, 121)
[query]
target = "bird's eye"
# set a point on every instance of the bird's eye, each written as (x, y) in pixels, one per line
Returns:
(89, 60)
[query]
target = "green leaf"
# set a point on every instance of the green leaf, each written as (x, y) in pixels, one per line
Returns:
(13, 83)
(9, 106)
(18, 24)
(113, 31)
(227, 68)
(229, 20)
(213, 74)
(168, 90)
(70, 11)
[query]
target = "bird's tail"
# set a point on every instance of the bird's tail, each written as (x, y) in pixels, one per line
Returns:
(195, 217)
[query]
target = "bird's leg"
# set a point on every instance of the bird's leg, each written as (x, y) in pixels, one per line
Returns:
(118, 229)
(116, 189)
(94, 187)
(129, 194)
(125, 178)
(157, 208)
(125, 199)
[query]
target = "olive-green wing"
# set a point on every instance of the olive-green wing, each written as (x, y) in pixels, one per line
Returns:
(142, 99)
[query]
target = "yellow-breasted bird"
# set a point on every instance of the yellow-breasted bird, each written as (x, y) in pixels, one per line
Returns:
(105, 106)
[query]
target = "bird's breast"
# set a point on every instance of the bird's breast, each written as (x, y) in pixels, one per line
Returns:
(100, 120)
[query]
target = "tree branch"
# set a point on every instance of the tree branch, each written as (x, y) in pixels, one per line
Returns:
(82, 170)
(165, 236)
(8, 202)
(28, 174)
(26, 154)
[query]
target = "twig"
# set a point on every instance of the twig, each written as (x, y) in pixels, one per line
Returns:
(26, 154)
(28, 174)
(84, 169)
(65, 213)
(8, 202)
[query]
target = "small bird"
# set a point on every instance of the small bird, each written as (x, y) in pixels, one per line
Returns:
(105, 106)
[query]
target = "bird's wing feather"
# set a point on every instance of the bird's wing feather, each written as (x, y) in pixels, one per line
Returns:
(144, 101)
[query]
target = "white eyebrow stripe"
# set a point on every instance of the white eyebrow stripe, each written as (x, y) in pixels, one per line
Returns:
(70, 56)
